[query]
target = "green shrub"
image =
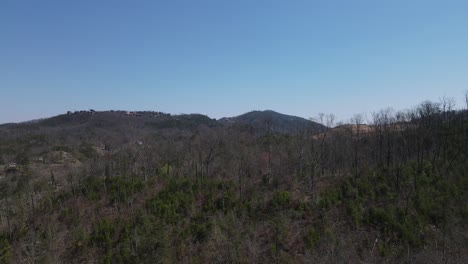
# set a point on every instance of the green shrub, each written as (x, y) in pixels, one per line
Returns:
(92, 187)
(102, 236)
(61, 148)
(393, 221)
(384, 249)
(172, 203)
(80, 238)
(311, 238)
(120, 189)
(246, 207)
(303, 206)
(463, 211)
(329, 198)
(356, 211)
(281, 200)
(87, 151)
(5, 250)
(199, 227)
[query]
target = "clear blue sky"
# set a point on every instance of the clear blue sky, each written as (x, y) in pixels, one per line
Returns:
(224, 58)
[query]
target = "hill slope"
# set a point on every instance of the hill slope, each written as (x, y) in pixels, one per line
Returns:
(146, 121)
(271, 121)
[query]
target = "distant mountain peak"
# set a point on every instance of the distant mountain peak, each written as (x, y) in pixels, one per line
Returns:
(270, 120)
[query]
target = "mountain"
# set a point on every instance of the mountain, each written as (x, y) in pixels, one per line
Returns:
(110, 127)
(271, 121)
(119, 128)
(123, 121)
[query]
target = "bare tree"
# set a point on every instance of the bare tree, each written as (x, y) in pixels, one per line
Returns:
(318, 151)
(357, 122)
(466, 99)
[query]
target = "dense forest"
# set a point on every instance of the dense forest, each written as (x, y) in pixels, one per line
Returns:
(119, 187)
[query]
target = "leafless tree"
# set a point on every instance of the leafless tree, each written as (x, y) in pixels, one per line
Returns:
(466, 99)
(357, 122)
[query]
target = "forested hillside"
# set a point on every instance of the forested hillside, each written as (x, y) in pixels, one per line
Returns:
(115, 187)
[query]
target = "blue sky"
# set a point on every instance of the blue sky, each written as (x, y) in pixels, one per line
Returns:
(224, 58)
